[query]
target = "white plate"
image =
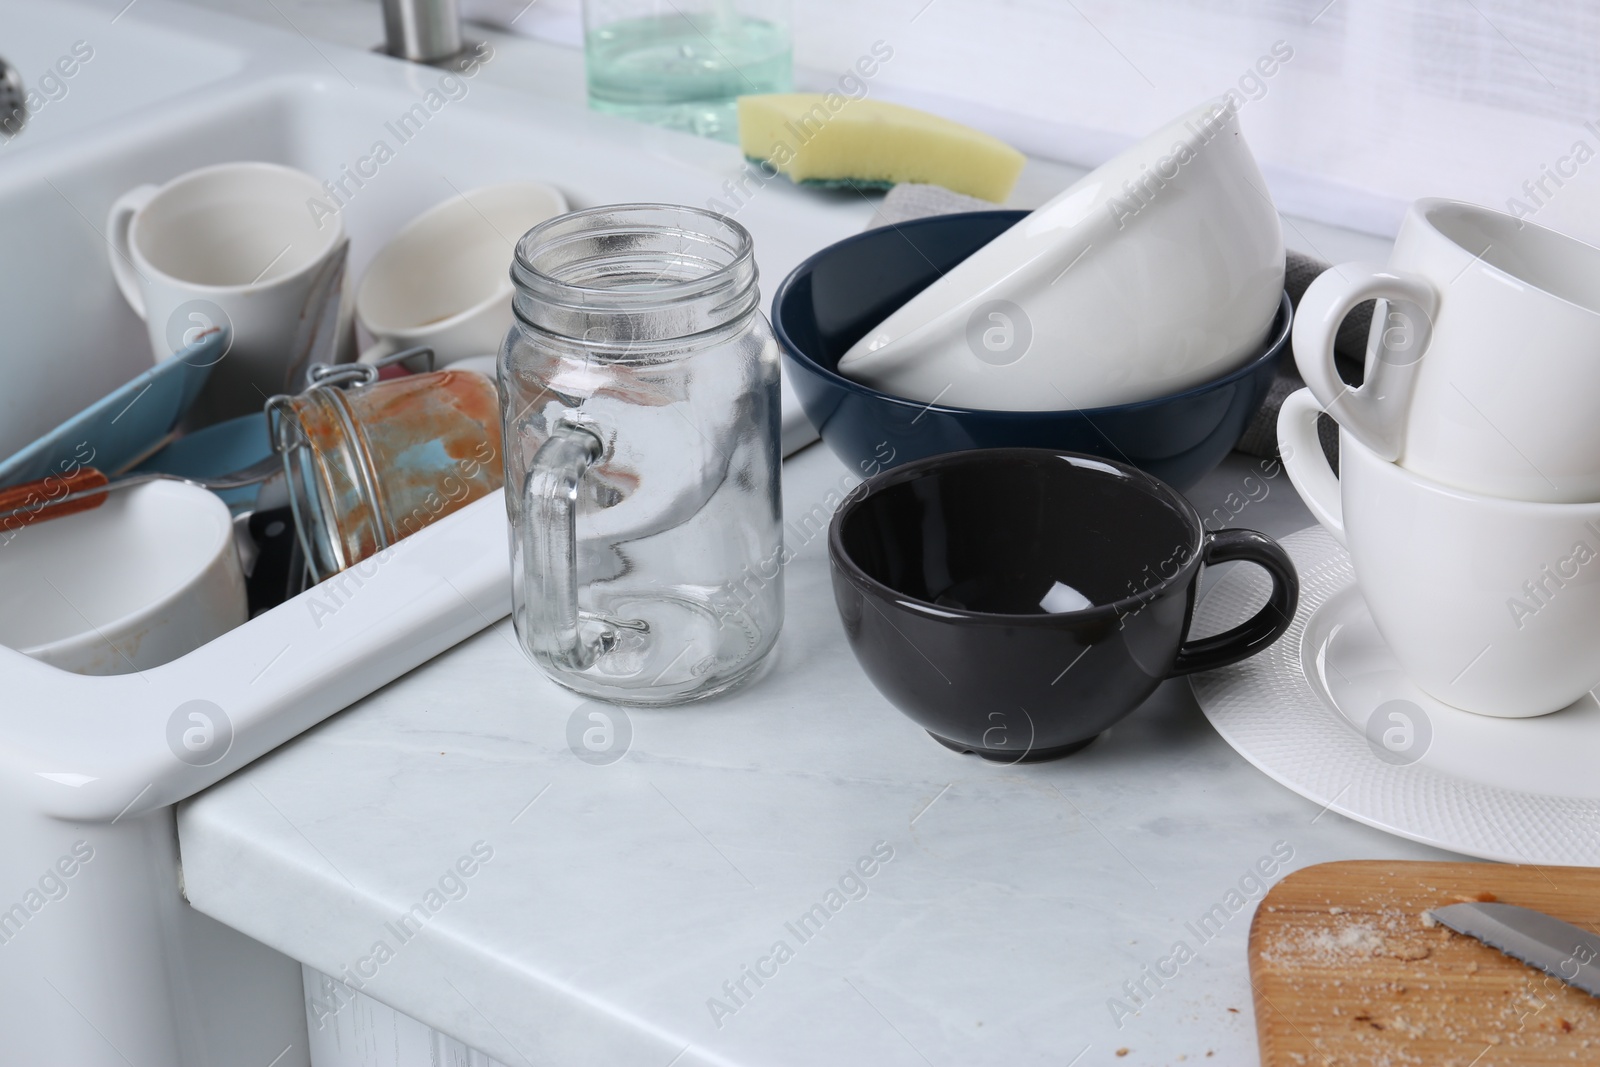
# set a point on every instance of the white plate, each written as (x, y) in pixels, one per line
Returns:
(1516, 790)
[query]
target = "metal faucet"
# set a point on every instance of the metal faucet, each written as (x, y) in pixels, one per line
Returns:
(13, 102)
(423, 31)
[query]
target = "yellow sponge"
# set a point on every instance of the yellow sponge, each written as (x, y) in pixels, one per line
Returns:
(833, 139)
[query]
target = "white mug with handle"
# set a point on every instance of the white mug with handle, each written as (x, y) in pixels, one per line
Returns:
(233, 246)
(1483, 370)
(444, 281)
(1490, 605)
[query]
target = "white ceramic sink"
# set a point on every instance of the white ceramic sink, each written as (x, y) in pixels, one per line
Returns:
(170, 88)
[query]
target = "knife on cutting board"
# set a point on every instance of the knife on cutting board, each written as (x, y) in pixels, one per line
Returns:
(1557, 948)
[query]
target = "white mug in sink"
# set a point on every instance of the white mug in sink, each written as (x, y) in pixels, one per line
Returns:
(1484, 364)
(233, 246)
(144, 578)
(445, 279)
(1159, 271)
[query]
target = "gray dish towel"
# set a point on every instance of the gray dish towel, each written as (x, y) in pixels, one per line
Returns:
(906, 202)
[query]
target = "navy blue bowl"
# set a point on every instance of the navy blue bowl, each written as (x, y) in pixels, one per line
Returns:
(834, 298)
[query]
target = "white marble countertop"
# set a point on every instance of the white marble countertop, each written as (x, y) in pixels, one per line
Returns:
(616, 900)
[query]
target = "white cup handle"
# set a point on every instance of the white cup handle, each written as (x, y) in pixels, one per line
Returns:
(118, 224)
(1301, 451)
(1375, 413)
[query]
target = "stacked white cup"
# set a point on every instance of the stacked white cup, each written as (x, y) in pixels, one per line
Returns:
(1468, 492)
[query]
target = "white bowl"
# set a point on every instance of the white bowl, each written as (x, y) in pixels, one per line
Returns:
(1159, 271)
(147, 576)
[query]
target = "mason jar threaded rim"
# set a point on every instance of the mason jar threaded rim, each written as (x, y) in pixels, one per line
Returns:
(634, 272)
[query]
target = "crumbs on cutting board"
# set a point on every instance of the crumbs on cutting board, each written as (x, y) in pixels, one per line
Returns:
(1403, 992)
(1343, 940)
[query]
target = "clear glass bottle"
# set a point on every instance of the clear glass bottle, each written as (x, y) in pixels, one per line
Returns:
(682, 64)
(639, 387)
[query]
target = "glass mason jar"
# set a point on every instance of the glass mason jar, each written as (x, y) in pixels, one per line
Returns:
(639, 387)
(683, 64)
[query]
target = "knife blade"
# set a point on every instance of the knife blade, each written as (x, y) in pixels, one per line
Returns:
(1557, 948)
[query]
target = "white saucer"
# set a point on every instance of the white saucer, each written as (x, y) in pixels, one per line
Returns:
(1516, 790)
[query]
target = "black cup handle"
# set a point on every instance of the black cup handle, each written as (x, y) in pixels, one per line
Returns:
(1267, 625)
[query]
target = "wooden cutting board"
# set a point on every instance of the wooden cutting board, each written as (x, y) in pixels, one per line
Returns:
(1346, 973)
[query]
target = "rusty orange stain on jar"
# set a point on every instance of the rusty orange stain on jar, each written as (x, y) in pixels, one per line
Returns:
(459, 411)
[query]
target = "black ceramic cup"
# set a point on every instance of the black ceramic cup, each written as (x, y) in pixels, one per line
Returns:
(1015, 602)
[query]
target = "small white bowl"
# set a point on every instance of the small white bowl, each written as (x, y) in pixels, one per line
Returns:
(147, 576)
